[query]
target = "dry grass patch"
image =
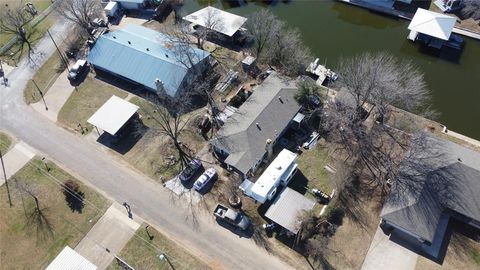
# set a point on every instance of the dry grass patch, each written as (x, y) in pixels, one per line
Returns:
(28, 246)
(142, 253)
(85, 101)
(5, 143)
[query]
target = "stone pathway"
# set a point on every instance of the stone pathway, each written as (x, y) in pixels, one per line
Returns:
(108, 236)
(56, 96)
(15, 159)
(386, 254)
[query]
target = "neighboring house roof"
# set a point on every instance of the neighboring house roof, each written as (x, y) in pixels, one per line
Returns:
(144, 55)
(432, 23)
(131, 1)
(272, 106)
(113, 115)
(68, 259)
(287, 208)
(217, 19)
(437, 178)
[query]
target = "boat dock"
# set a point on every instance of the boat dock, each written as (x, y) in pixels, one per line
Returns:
(403, 15)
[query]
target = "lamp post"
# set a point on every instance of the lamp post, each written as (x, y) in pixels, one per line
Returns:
(164, 257)
(45, 162)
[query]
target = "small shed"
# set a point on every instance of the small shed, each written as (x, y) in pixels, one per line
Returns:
(68, 259)
(248, 62)
(432, 23)
(287, 208)
(216, 19)
(113, 115)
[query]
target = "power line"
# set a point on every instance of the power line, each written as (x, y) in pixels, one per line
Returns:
(75, 194)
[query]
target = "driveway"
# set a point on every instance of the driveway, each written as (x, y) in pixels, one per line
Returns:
(108, 236)
(386, 254)
(199, 233)
(15, 159)
(56, 96)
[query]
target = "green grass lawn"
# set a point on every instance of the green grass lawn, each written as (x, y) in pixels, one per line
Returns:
(311, 163)
(84, 102)
(44, 78)
(5, 142)
(25, 245)
(142, 253)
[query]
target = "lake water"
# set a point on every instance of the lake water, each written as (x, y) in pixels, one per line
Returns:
(334, 30)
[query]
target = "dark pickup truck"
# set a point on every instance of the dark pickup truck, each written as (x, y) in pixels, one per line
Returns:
(232, 217)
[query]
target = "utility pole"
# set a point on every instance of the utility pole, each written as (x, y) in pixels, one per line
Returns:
(5, 177)
(59, 52)
(41, 94)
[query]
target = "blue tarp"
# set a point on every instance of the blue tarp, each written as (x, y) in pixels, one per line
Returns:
(143, 55)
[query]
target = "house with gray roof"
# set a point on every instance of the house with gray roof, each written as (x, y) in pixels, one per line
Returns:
(438, 181)
(252, 131)
(148, 58)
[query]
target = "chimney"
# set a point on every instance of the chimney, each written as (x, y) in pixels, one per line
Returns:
(160, 87)
(269, 148)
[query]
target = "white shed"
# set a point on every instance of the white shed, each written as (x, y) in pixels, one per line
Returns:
(113, 115)
(68, 259)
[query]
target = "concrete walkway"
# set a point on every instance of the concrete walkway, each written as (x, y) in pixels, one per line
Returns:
(56, 96)
(108, 236)
(15, 159)
(464, 138)
(386, 254)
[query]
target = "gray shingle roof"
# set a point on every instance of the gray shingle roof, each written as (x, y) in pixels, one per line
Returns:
(272, 106)
(438, 177)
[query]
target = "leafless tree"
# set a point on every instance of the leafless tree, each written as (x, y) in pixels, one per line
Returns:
(276, 44)
(317, 249)
(370, 85)
(80, 12)
(37, 217)
(14, 20)
(212, 23)
(264, 28)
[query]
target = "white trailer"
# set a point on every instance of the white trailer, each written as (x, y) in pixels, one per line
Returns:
(279, 172)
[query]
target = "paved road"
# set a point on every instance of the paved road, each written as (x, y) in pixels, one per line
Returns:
(149, 200)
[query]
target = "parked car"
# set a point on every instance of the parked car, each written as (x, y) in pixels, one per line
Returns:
(204, 179)
(77, 69)
(232, 217)
(312, 141)
(190, 170)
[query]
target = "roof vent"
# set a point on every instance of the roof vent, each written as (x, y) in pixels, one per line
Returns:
(114, 37)
(258, 126)
(166, 55)
(148, 49)
(280, 99)
(129, 42)
(459, 159)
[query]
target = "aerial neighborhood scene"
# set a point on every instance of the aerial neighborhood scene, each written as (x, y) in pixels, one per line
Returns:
(240, 134)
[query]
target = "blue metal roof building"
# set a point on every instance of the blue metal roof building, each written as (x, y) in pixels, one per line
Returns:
(144, 56)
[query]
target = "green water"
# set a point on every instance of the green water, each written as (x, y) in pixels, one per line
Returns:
(334, 30)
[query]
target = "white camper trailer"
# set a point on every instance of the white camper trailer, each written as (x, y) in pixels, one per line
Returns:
(279, 172)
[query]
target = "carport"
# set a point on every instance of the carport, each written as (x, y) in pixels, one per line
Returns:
(287, 207)
(68, 259)
(113, 115)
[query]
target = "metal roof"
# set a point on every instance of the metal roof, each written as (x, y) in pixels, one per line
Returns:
(432, 23)
(68, 259)
(144, 55)
(217, 19)
(113, 115)
(287, 208)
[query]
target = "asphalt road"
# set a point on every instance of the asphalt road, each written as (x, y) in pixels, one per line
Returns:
(149, 200)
